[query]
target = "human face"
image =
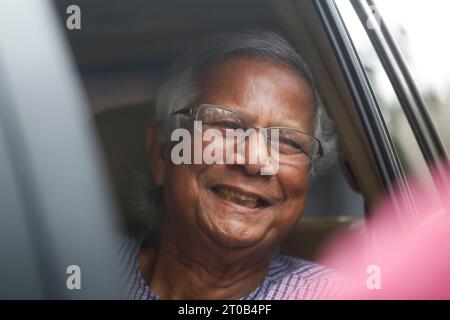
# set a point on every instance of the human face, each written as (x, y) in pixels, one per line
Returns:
(217, 202)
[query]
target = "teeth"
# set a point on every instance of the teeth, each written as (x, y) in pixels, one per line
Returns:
(237, 197)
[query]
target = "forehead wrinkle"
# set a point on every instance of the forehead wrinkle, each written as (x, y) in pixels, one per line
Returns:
(261, 93)
(266, 89)
(257, 97)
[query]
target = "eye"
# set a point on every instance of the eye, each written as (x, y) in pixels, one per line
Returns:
(289, 146)
(226, 124)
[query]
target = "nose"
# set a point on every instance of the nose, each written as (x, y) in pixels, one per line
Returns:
(252, 153)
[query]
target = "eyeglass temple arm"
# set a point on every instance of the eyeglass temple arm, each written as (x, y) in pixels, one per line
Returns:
(185, 111)
(320, 152)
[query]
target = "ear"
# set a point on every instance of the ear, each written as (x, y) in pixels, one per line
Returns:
(156, 153)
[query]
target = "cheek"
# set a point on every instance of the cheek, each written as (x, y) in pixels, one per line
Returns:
(294, 182)
(181, 188)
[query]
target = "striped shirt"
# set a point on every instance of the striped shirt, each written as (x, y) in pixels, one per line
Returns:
(287, 278)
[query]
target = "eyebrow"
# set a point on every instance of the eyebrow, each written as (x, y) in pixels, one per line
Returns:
(250, 118)
(291, 125)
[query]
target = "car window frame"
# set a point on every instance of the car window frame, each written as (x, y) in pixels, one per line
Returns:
(412, 103)
(380, 141)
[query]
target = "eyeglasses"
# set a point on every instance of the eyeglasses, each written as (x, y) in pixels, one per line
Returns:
(292, 143)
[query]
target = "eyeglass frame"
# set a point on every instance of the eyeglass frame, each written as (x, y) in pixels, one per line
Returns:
(190, 111)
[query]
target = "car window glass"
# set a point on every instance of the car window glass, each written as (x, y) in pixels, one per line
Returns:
(420, 32)
(402, 136)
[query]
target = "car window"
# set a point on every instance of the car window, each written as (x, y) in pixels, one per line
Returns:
(406, 146)
(419, 34)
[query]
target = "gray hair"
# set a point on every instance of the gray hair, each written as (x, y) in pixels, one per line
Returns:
(181, 87)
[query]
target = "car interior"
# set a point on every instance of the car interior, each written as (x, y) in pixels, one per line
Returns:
(123, 50)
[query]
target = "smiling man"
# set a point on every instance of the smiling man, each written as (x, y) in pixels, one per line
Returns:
(222, 222)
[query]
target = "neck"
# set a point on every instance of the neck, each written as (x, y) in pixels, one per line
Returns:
(177, 269)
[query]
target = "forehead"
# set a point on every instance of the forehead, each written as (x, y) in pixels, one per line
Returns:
(268, 93)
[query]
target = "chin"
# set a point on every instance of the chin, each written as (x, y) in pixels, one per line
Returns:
(234, 234)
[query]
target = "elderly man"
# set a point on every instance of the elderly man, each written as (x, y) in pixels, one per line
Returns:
(221, 222)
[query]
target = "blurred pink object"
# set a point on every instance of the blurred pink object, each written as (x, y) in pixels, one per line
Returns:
(388, 259)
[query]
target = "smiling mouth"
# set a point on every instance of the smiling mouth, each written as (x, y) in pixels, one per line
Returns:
(242, 199)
